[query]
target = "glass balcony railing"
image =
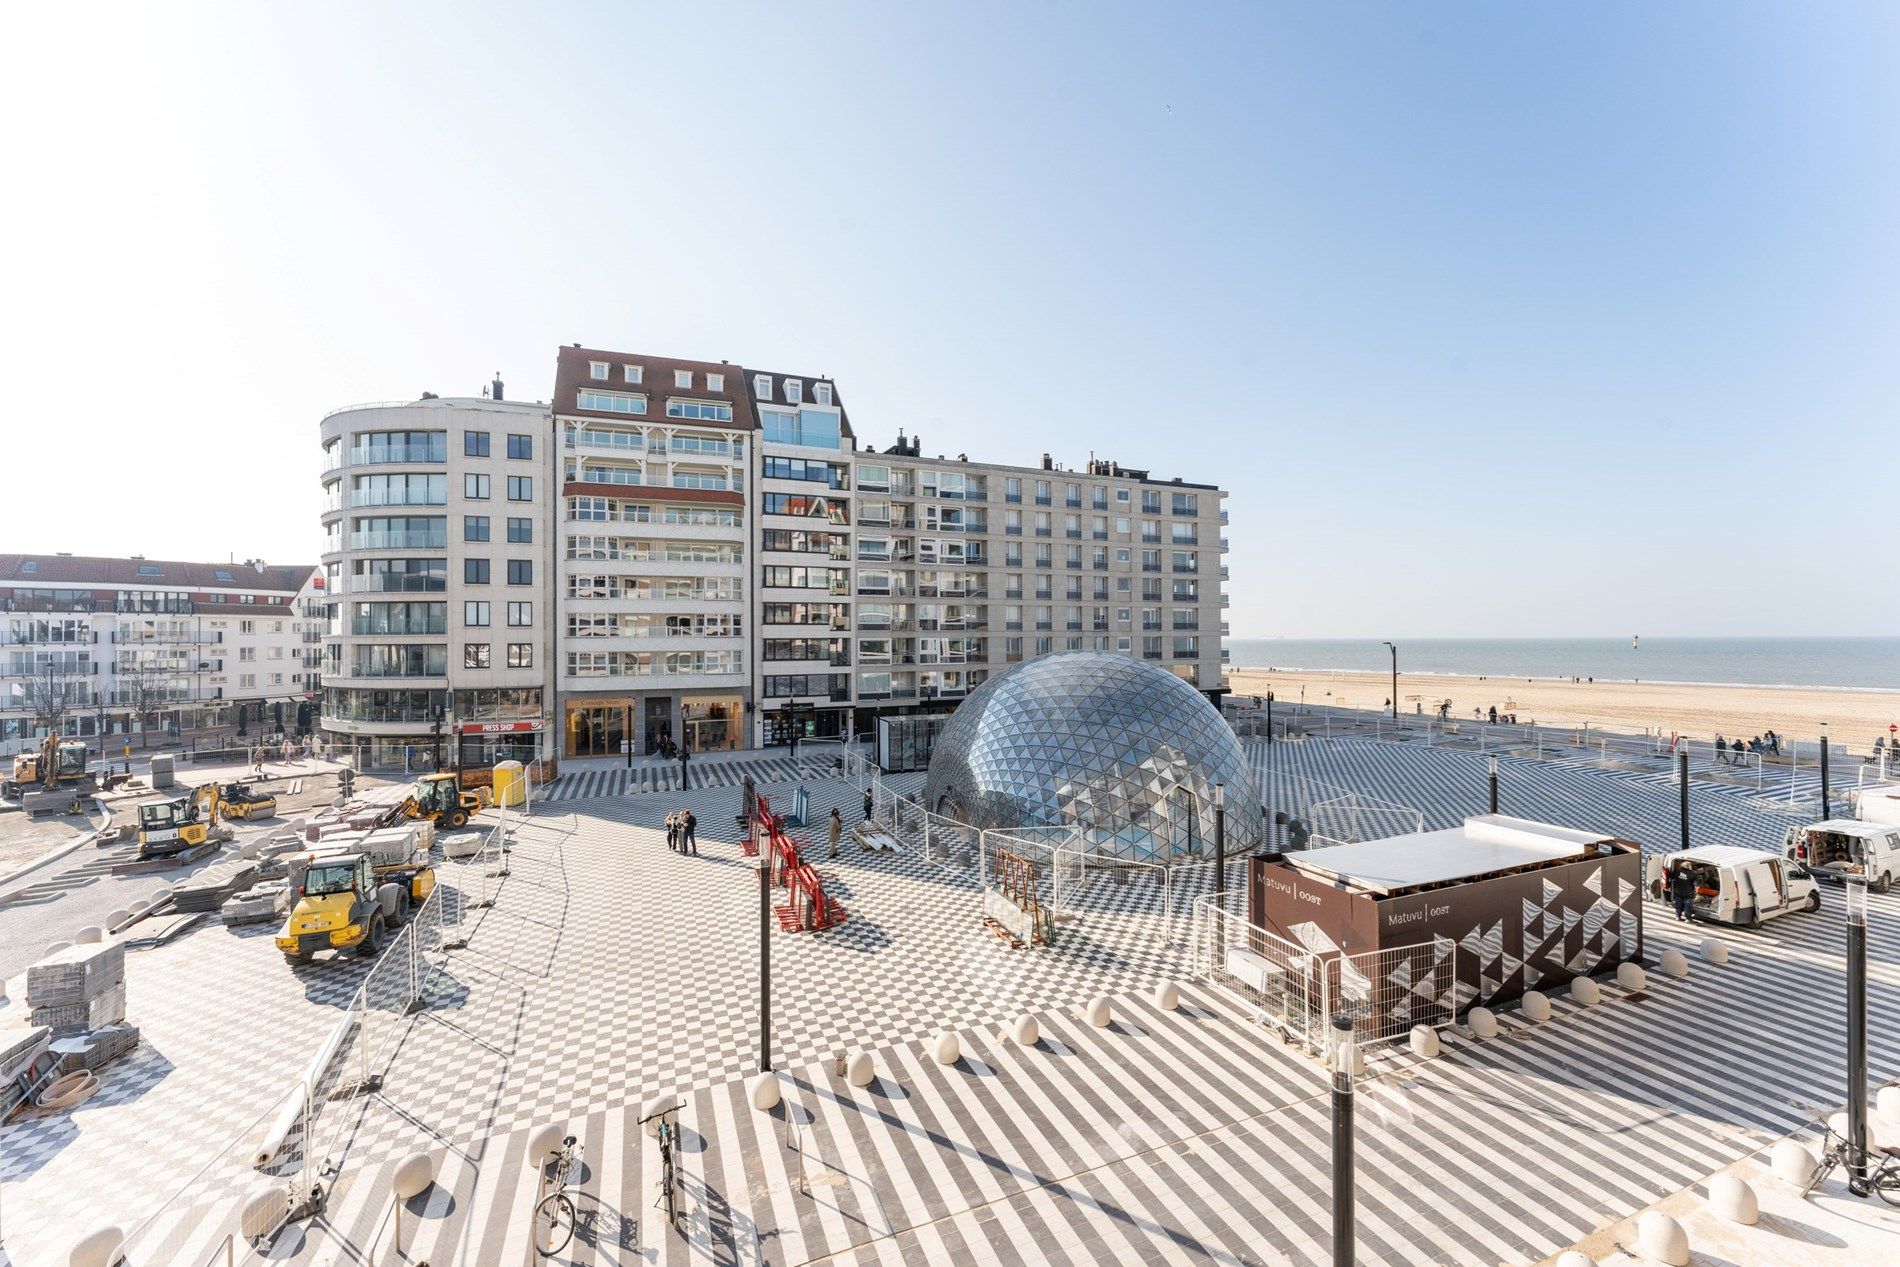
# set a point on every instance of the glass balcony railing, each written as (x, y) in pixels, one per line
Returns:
(369, 455)
(399, 540)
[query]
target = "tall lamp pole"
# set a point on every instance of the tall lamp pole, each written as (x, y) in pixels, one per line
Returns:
(765, 943)
(1269, 716)
(1824, 796)
(1395, 681)
(1857, 1035)
(1220, 844)
(1344, 1058)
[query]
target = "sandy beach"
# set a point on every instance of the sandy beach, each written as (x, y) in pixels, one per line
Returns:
(1853, 718)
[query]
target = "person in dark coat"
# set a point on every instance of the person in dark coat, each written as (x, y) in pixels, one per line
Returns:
(868, 801)
(835, 829)
(1682, 889)
(689, 828)
(685, 753)
(673, 830)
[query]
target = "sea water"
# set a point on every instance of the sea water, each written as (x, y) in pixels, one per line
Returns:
(1845, 663)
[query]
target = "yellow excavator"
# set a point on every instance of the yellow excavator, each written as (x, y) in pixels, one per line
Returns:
(58, 761)
(172, 827)
(440, 796)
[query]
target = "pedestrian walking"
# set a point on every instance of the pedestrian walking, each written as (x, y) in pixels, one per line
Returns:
(685, 752)
(672, 829)
(835, 829)
(869, 800)
(689, 833)
(1682, 889)
(1736, 748)
(1721, 750)
(750, 804)
(257, 760)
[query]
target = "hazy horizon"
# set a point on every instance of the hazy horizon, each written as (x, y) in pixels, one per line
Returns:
(1514, 319)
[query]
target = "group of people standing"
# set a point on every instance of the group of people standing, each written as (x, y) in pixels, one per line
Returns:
(1732, 752)
(682, 832)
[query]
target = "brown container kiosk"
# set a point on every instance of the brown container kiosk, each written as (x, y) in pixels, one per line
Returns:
(1504, 904)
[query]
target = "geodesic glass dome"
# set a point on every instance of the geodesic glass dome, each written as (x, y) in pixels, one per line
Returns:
(1122, 750)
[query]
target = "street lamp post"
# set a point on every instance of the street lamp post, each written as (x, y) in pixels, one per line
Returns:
(1494, 785)
(1824, 796)
(1344, 1057)
(626, 733)
(1856, 903)
(765, 945)
(1269, 716)
(1395, 680)
(1220, 844)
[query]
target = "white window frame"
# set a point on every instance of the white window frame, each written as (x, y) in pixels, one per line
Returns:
(794, 391)
(597, 371)
(715, 382)
(632, 373)
(821, 393)
(762, 386)
(682, 378)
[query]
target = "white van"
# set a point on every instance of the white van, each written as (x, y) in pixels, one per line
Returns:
(1736, 885)
(1841, 847)
(1879, 803)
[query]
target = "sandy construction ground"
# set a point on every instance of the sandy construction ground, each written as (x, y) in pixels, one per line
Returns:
(1854, 718)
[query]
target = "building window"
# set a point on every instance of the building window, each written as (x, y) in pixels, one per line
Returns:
(247, 681)
(475, 615)
(247, 626)
(611, 402)
(475, 444)
(521, 488)
(700, 410)
(682, 378)
(475, 487)
(597, 370)
(474, 527)
(630, 373)
(474, 571)
(247, 655)
(521, 571)
(715, 382)
(32, 565)
(521, 531)
(520, 615)
(521, 655)
(794, 391)
(474, 655)
(520, 446)
(821, 393)
(762, 386)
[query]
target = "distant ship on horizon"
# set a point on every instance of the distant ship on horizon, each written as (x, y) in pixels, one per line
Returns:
(1636, 642)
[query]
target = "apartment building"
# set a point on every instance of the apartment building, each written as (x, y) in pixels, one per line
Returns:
(438, 569)
(109, 649)
(964, 568)
(655, 527)
(802, 565)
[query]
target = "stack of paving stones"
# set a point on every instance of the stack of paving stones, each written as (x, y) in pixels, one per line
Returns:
(215, 885)
(96, 1049)
(19, 1048)
(79, 988)
(260, 905)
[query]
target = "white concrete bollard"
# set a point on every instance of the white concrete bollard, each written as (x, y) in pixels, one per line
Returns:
(413, 1176)
(140, 907)
(1575, 1258)
(116, 918)
(763, 1091)
(1712, 951)
(90, 935)
(1099, 1012)
(1482, 1022)
(946, 1048)
(1424, 1042)
(667, 1104)
(1585, 991)
(1792, 1161)
(860, 1070)
(261, 1212)
(1734, 1200)
(1631, 976)
(545, 1143)
(1167, 996)
(1673, 963)
(1535, 1005)
(1887, 1104)
(159, 894)
(1660, 1237)
(1025, 1031)
(97, 1248)
(250, 849)
(55, 948)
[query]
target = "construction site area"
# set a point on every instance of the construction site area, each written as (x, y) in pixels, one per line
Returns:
(543, 1024)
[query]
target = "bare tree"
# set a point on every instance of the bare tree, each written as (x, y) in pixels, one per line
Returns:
(53, 692)
(144, 683)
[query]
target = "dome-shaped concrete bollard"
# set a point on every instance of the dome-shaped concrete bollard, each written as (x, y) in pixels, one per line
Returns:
(1887, 1104)
(262, 1211)
(118, 917)
(159, 894)
(1424, 1042)
(860, 1070)
(1167, 996)
(667, 1104)
(1631, 976)
(1734, 1200)
(55, 948)
(545, 1143)
(1025, 1031)
(413, 1176)
(1712, 951)
(1482, 1022)
(140, 907)
(1099, 1012)
(1673, 963)
(946, 1048)
(97, 1248)
(250, 849)
(1585, 992)
(90, 935)
(1792, 1161)
(1575, 1258)
(762, 1090)
(1535, 1005)
(1660, 1237)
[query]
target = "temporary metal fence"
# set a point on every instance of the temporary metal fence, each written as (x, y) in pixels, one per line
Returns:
(1388, 991)
(1282, 984)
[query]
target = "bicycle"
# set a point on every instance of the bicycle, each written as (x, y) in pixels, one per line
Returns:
(1882, 1179)
(667, 1132)
(554, 1213)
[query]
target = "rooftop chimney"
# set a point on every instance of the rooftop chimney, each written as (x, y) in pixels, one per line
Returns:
(1047, 465)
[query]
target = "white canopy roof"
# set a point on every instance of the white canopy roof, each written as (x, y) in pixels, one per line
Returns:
(1482, 846)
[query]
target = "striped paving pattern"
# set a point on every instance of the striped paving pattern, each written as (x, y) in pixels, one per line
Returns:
(1191, 1137)
(647, 775)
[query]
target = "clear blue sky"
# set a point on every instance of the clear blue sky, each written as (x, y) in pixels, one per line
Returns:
(1497, 319)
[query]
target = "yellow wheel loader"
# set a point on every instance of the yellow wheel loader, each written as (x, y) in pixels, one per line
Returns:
(440, 796)
(344, 901)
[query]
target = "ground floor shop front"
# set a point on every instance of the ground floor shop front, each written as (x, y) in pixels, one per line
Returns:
(653, 722)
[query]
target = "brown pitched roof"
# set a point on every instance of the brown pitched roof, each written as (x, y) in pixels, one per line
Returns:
(571, 373)
(81, 569)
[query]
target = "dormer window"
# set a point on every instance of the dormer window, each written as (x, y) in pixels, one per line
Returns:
(715, 382)
(821, 392)
(762, 386)
(597, 370)
(631, 373)
(682, 378)
(794, 391)
(31, 565)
